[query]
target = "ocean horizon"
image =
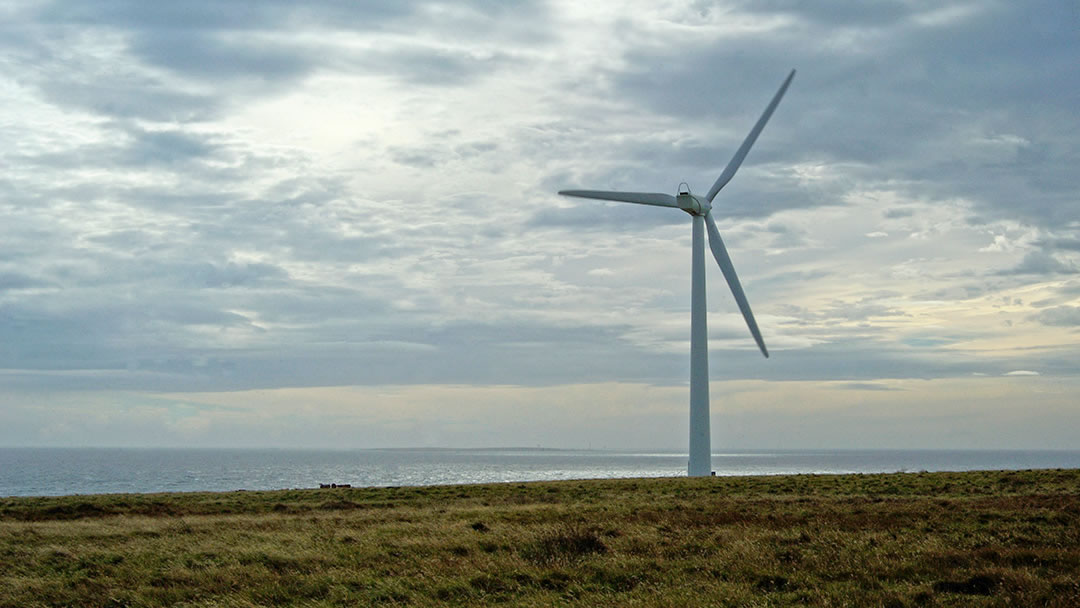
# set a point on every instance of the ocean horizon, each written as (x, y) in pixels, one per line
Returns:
(52, 471)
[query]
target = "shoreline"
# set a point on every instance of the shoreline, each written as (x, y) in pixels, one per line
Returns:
(323, 486)
(67, 471)
(347, 486)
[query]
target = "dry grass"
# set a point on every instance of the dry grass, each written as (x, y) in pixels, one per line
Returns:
(942, 539)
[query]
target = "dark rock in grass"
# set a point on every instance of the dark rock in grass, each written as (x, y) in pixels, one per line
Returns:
(479, 526)
(980, 584)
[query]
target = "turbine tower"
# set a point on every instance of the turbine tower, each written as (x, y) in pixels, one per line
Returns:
(700, 208)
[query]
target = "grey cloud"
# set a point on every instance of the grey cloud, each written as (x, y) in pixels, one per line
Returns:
(260, 14)
(130, 96)
(931, 341)
(476, 148)
(421, 159)
(624, 176)
(40, 339)
(75, 329)
(842, 13)
(69, 75)
(463, 353)
(600, 216)
(754, 195)
(866, 386)
(793, 277)
(862, 310)
(169, 239)
(786, 237)
(17, 280)
(431, 66)
(133, 147)
(528, 353)
(207, 14)
(955, 292)
(224, 275)
(193, 314)
(921, 90)
(329, 312)
(242, 48)
(168, 146)
(1064, 243)
(206, 56)
(856, 359)
(1039, 262)
(403, 349)
(163, 283)
(443, 150)
(1059, 316)
(156, 299)
(126, 91)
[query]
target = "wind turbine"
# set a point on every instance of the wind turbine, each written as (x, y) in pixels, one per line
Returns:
(700, 208)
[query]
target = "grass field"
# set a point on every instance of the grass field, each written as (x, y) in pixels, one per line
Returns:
(920, 539)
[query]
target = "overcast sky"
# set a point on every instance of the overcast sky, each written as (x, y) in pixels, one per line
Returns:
(334, 224)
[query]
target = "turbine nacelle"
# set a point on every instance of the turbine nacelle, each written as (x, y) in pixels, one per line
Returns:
(692, 204)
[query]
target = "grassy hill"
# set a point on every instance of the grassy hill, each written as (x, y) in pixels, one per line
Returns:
(920, 539)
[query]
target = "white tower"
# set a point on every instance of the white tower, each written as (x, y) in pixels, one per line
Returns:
(700, 208)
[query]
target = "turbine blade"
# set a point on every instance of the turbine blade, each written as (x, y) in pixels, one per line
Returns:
(724, 260)
(641, 198)
(740, 154)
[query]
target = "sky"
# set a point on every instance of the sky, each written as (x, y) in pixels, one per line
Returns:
(335, 224)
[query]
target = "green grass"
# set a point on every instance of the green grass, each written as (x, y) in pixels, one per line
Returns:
(925, 539)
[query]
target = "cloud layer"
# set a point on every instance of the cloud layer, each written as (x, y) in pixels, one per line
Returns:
(260, 195)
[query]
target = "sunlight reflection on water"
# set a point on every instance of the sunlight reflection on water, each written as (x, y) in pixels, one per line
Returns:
(55, 471)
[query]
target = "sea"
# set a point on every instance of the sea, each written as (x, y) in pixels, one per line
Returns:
(66, 471)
